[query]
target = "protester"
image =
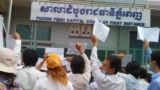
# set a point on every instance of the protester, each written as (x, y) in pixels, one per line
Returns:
(148, 50)
(57, 78)
(81, 70)
(28, 76)
(154, 58)
(132, 71)
(109, 80)
(8, 70)
(155, 63)
(142, 79)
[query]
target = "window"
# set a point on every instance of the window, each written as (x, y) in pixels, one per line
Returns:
(43, 33)
(24, 31)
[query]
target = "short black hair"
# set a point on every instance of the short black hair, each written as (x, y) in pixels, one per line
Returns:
(30, 57)
(115, 62)
(77, 64)
(142, 73)
(133, 68)
(149, 75)
(155, 56)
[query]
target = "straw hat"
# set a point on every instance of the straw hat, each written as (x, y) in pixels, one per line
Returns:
(7, 61)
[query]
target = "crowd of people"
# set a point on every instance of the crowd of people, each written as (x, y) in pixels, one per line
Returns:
(86, 74)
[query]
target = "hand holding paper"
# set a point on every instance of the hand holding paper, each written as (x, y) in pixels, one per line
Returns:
(100, 30)
(146, 44)
(79, 47)
(73, 50)
(94, 41)
(150, 34)
(16, 36)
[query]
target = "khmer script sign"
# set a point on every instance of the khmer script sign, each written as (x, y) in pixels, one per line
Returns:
(86, 14)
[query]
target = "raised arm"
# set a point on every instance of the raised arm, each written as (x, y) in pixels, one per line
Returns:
(87, 70)
(97, 74)
(17, 48)
(148, 50)
(39, 66)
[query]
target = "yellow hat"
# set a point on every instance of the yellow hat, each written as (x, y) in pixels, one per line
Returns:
(53, 61)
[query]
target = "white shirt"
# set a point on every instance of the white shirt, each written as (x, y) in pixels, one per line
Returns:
(143, 84)
(17, 51)
(93, 86)
(48, 84)
(105, 82)
(131, 81)
(28, 76)
(81, 81)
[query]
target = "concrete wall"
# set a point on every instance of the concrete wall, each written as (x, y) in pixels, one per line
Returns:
(119, 36)
(60, 31)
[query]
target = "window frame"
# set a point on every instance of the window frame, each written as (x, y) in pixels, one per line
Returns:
(39, 43)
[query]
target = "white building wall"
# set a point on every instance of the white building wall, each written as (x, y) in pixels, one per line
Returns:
(60, 31)
(118, 37)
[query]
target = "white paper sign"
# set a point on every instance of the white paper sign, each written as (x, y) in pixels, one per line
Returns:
(126, 59)
(59, 51)
(10, 42)
(67, 64)
(150, 34)
(1, 32)
(100, 30)
(73, 50)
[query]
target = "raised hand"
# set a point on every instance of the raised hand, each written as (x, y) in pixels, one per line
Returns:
(146, 44)
(41, 64)
(79, 47)
(69, 59)
(45, 56)
(16, 36)
(94, 40)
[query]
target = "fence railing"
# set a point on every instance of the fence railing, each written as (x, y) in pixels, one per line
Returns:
(138, 54)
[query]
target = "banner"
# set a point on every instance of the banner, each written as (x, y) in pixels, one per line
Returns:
(71, 13)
